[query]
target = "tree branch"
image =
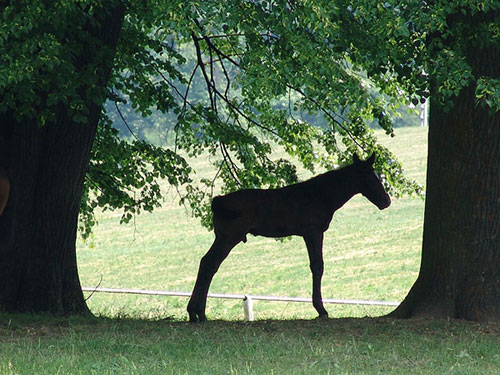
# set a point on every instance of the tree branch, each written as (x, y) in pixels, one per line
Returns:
(230, 165)
(223, 56)
(125, 122)
(199, 58)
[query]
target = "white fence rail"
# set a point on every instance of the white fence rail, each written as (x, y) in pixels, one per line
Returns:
(247, 299)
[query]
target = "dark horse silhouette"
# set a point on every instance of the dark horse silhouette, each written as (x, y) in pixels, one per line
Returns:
(304, 209)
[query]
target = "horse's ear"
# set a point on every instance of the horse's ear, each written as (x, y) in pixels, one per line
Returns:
(356, 159)
(371, 159)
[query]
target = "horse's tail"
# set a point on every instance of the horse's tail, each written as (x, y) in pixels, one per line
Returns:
(221, 211)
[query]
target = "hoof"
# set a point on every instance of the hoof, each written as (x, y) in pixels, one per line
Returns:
(197, 317)
(196, 313)
(323, 316)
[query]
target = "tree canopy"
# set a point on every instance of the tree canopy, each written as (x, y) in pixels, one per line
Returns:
(264, 66)
(264, 69)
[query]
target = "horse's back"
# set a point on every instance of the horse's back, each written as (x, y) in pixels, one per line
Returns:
(291, 210)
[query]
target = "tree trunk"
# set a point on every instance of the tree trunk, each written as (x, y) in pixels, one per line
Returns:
(460, 270)
(46, 168)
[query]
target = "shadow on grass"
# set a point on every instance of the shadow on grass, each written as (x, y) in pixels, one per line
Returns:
(356, 327)
(86, 345)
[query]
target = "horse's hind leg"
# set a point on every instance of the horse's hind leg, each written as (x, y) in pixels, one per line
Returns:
(209, 265)
(314, 243)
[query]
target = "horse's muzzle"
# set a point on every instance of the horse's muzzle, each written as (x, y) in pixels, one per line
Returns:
(385, 204)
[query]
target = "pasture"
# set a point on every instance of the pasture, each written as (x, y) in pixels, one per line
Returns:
(369, 254)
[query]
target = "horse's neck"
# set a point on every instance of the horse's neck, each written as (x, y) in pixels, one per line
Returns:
(343, 185)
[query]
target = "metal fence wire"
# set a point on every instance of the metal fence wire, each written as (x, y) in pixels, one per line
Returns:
(245, 298)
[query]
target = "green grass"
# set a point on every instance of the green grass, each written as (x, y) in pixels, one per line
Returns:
(369, 254)
(45, 345)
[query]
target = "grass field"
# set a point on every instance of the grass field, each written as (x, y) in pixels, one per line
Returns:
(369, 254)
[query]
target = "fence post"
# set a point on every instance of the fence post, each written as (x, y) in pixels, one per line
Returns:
(248, 308)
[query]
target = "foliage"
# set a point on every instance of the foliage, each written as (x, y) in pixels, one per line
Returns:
(236, 78)
(39, 43)
(126, 175)
(428, 46)
(262, 68)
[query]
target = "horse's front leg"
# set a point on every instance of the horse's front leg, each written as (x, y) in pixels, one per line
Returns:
(209, 265)
(314, 243)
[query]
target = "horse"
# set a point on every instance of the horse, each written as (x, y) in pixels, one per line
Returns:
(303, 209)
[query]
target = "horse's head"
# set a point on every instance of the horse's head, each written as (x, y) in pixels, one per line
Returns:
(370, 184)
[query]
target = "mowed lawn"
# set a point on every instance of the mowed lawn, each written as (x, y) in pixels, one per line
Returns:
(369, 254)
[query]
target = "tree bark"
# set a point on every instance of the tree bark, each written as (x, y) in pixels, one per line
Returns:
(460, 268)
(46, 167)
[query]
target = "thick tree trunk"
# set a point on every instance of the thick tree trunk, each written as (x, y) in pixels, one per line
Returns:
(46, 168)
(460, 269)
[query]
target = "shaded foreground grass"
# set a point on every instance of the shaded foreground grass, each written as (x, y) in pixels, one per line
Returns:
(46, 345)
